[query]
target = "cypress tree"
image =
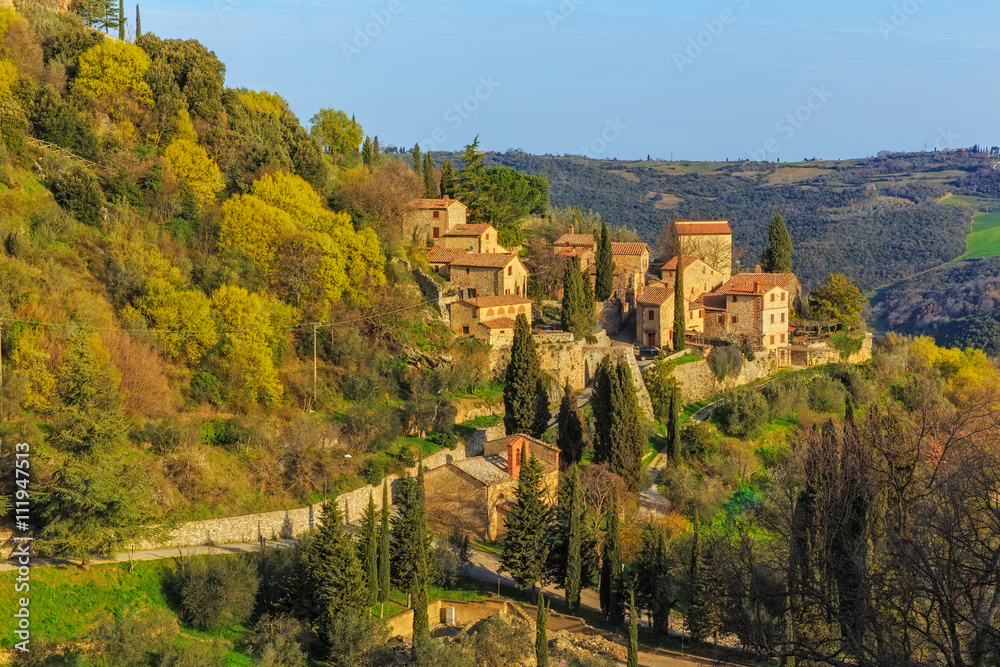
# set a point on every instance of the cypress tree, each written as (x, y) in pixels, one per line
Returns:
(605, 266)
(569, 438)
(600, 401)
(430, 187)
(376, 150)
(541, 633)
(521, 391)
(421, 622)
(680, 307)
(331, 563)
(633, 632)
(525, 544)
(368, 549)
(447, 179)
(777, 256)
(542, 413)
(121, 20)
(612, 602)
(572, 299)
(627, 437)
(674, 424)
(588, 298)
(574, 542)
(383, 547)
(409, 545)
(366, 151)
(138, 24)
(417, 159)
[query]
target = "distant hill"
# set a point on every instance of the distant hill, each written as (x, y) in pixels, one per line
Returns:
(877, 220)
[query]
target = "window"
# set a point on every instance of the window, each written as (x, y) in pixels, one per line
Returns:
(436, 233)
(782, 317)
(437, 215)
(782, 338)
(650, 315)
(735, 319)
(465, 330)
(510, 270)
(734, 298)
(772, 339)
(782, 296)
(466, 270)
(772, 315)
(506, 291)
(722, 319)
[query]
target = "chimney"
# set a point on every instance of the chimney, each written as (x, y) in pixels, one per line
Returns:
(756, 269)
(514, 453)
(570, 230)
(445, 197)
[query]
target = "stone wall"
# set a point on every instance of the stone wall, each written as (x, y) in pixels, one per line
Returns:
(466, 613)
(698, 380)
(610, 315)
(471, 408)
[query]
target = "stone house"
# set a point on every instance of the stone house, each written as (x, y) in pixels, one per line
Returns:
(699, 277)
(572, 245)
(633, 257)
(710, 241)
(654, 316)
(481, 238)
(752, 306)
(429, 219)
(489, 319)
(477, 275)
(477, 494)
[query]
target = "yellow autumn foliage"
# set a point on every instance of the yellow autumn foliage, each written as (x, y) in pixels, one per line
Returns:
(114, 67)
(254, 332)
(964, 371)
(29, 359)
(180, 318)
(264, 102)
(193, 165)
(8, 77)
(185, 128)
(254, 226)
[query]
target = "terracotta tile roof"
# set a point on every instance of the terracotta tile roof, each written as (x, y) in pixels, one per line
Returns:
(428, 204)
(756, 283)
(671, 265)
(499, 323)
(493, 301)
(504, 441)
(703, 228)
(489, 470)
(439, 255)
(629, 248)
(656, 295)
(469, 230)
(572, 251)
(576, 240)
(484, 260)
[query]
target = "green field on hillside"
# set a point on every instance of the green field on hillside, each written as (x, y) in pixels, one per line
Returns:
(984, 239)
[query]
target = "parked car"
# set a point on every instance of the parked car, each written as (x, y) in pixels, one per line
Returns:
(645, 352)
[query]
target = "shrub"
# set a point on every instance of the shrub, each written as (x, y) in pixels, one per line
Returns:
(372, 471)
(352, 640)
(197, 654)
(406, 456)
(167, 435)
(16, 244)
(206, 388)
(826, 394)
(371, 427)
(218, 591)
(698, 439)
(223, 432)
(446, 438)
(79, 192)
(743, 413)
(854, 380)
(280, 641)
(502, 641)
(129, 641)
(786, 398)
(143, 382)
(725, 361)
(450, 560)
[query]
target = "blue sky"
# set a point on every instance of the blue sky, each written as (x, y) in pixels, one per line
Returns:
(781, 79)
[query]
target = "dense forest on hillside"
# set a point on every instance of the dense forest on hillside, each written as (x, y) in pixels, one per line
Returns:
(875, 220)
(958, 304)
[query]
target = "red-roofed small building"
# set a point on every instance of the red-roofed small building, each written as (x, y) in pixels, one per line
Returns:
(490, 319)
(480, 238)
(477, 275)
(709, 240)
(754, 307)
(654, 316)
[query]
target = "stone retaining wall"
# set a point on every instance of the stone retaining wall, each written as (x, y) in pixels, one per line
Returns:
(698, 380)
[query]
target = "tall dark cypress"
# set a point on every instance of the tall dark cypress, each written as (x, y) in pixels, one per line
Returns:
(777, 256)
(574, 541)
(674, 424)
(368, 549)
(600, 402)
(409, 536)
(569, 438)
(588, 298)
(627, 438)
(430, 187)
(525, 544)
(605, 264)
(447, 179)
(680, 307)
(335, 576)
(633, 632)
(612, 601)
(421, 621)
(376, 150)
(366, 151)
(521, 389)
(572, 301)
(383, 546)
(121, 20)
(138, 23)
(541, 632)
(542, 413)
(417, 159)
